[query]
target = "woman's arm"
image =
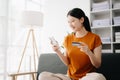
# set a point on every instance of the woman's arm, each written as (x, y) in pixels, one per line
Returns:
(95, 56)
(63, 57)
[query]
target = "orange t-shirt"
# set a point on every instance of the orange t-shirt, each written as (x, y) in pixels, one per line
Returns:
(79, 62)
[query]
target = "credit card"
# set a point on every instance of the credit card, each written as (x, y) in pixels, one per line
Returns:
(75, 44)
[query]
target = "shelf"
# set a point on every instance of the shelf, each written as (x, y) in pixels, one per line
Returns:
(100, 27)
(105, 21)
(118, 25)
(104, 43)
(97, 11)
(115, 9)
(107, 51)
(116, 42)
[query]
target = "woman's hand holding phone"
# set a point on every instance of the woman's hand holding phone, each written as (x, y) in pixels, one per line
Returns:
(53, 41)
(54, 44)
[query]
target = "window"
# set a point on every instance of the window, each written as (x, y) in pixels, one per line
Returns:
(13, 41)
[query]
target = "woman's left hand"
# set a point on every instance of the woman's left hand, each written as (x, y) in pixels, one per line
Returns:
(84, 48)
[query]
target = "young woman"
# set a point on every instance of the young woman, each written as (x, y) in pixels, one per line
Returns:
(82, 59)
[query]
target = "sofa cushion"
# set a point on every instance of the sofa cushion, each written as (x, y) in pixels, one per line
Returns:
(51, 63)
(110, 66)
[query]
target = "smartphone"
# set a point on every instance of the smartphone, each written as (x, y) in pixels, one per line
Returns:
(76, 44)
(54, 42)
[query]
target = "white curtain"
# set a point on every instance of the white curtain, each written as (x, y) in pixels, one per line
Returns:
(13, 36)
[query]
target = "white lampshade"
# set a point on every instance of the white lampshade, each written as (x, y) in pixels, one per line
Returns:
(32, 18)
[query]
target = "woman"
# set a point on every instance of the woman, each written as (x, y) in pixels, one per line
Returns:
(82, 59)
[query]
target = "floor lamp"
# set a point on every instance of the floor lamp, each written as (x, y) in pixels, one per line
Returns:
(32, 19)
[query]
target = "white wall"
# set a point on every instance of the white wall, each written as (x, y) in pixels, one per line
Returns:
(55, 20)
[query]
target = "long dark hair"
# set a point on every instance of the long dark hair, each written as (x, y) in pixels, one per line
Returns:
(78, 13)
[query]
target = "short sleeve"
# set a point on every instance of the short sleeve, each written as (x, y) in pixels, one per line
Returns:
(98, 41)
(65, 42)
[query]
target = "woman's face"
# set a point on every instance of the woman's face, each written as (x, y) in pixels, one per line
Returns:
(75, 23)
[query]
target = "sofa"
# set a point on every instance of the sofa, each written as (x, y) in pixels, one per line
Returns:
(110, 66)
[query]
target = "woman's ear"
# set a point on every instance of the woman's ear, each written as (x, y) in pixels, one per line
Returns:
(82, 19)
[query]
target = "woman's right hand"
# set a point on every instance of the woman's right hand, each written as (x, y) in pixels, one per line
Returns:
(55, 47)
